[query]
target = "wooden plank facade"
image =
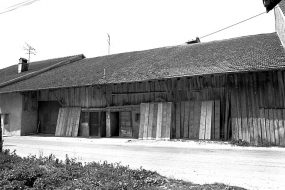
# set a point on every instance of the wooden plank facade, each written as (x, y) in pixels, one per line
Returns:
(247, 106)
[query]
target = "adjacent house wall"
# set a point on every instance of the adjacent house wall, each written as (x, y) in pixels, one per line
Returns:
(12, 104)
(29, 114)
(280, 24)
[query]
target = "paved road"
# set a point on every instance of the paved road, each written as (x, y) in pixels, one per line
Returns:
(253, 168)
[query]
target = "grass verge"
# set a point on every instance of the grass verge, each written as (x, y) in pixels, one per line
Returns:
(52, 173)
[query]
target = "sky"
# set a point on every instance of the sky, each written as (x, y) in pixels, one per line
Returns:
(59, 28)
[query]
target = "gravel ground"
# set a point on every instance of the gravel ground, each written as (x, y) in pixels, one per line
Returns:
(195, 161)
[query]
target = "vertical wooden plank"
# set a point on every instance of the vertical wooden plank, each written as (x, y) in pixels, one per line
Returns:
(262, 124)
(244, 110)
(65, 122)
(150, 121)
(108, 124)
(217, 119)
(168, 120)
(173, 122)
(238, 92)
(267, 125)
(249, 109)
(271, 126)
(203, 120)
(209, 120)
(276, 126)
(182, 106)
(178, 117)
(282, 129)
(154, 123)
(255, 106)
(191, 119)
(58, 123)
(76, 122)
(186, 119)
(197, 116)
(69, 122)
(142, 120)
(234, 112)
(163, 125)
(146, 117)
(159, 122)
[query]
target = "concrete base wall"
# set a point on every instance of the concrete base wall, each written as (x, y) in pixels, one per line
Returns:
(12, 104)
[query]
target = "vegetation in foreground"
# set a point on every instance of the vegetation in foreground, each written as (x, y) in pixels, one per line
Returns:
(51, 173)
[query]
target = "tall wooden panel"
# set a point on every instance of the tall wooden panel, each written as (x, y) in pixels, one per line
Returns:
(178, 118)
(217, 113)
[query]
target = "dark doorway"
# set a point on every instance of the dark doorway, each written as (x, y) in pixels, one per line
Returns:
(114, 121)
(48, 112)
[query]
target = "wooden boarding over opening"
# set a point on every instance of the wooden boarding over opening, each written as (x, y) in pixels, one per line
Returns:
(68, 122)
(156, 119)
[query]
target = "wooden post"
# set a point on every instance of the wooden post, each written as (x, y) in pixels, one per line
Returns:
(1, 133)
(108, 124)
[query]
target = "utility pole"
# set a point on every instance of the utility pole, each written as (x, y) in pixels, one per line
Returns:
(30, 50)
(109, 43)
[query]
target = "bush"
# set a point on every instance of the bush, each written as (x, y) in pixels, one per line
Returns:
(50, 173)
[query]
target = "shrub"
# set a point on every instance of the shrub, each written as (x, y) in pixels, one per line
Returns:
(50, 173)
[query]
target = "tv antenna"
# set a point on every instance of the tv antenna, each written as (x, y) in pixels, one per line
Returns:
(109, 43)
(30, 50)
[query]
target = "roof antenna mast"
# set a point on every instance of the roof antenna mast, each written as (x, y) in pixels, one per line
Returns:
(109, 43)
(30, 50)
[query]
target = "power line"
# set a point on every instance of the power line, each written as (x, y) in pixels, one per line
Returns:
(232, 25)
(19, 5)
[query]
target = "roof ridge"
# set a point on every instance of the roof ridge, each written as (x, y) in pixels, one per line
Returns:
(196, 44)
(59, 58)
(35, 73)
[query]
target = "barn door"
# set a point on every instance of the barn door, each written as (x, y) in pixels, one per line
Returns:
(126, 124)
(48, 113)
(94, 124)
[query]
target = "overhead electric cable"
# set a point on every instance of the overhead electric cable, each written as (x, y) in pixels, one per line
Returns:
(19, 5)
(232, 25)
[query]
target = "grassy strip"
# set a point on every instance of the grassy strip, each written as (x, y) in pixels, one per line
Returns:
(51, 173)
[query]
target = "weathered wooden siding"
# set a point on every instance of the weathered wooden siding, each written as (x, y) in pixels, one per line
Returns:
(257, 107)
(168, 90)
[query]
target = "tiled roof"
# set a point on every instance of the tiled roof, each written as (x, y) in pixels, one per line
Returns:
(10, 73)
(249, 53)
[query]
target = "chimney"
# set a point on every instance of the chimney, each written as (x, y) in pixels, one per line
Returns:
(23, 65)
(194, 41)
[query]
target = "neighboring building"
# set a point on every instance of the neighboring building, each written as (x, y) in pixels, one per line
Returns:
(223, 89)
(16, 118)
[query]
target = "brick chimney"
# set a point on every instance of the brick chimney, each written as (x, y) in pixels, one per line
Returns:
(23, 65)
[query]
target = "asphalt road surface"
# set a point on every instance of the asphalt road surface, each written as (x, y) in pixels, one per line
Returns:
(252, 168)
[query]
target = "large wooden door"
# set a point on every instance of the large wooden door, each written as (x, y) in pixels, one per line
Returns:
(126, 124)
(48, 113)
(94, 123)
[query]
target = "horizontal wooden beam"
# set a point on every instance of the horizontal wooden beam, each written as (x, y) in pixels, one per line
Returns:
(132, 93)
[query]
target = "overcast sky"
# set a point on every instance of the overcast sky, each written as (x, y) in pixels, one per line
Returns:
(58, 28)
